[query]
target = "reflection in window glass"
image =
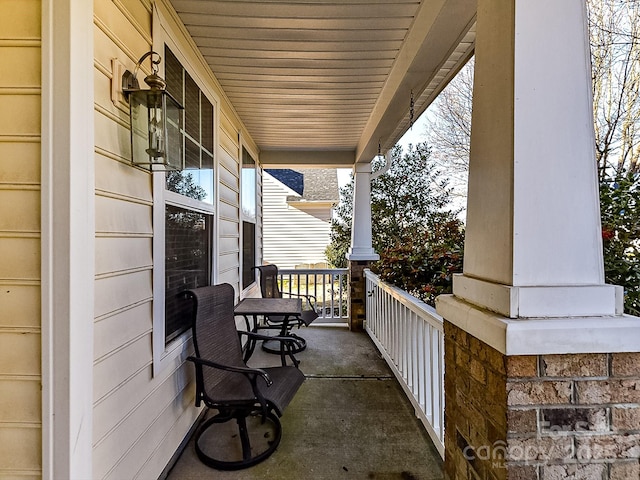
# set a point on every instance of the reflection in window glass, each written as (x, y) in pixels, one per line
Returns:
(248, 202)
(187, 264)
(198, 131)
(248, 186)
(248, 253)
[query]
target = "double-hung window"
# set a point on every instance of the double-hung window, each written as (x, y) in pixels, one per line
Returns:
(183, 212)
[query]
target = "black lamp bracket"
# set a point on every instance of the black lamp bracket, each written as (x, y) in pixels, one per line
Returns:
(130, 80)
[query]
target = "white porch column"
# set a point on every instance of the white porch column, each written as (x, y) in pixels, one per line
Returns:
(534, 339)
(534, 245)
(361, 251)
(361, 246)
(68, 234)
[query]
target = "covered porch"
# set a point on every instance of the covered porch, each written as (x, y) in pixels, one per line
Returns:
(533, 338)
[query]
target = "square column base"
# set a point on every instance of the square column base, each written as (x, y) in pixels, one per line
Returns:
(539, 416)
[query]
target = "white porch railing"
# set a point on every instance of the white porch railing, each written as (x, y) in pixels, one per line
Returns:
(329, 286)
(409, 333)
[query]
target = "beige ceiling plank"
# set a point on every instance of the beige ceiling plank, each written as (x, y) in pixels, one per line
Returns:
(336, 56)
(316, 113)
(298, 90)
(260, 62)
(297, 23)
(346, 75)
(346, 9)
(321, 126)
(297, 35)
(318, 71)
(282, 45)
(303, 84)
(315, 110)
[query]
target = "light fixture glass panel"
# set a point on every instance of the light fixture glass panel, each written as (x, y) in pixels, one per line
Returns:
(155, 130)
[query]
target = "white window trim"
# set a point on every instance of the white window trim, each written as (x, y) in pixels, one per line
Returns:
(180, 347)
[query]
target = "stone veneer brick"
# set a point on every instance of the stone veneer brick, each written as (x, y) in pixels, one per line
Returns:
(625, 470)
(626, 419)
(522, 366)
(580, 365)
(539, 417)
(625, 364)
(358, 294)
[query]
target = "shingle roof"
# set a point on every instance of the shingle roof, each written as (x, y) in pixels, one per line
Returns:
(312, 184)
(290, 178)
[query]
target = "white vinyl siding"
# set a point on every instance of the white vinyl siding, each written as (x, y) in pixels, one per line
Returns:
(140, 417)
(292, 235)
(20, 279)
(128, 400)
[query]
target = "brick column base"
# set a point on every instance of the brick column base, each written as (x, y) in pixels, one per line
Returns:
(539, 417)
(358, 293)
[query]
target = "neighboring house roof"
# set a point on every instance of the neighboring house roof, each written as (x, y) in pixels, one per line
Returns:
(290, 178)
(312, 184)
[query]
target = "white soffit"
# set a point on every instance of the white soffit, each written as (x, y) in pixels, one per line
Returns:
(322, 75)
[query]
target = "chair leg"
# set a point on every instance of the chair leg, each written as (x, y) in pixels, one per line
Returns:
(244, 438)
(273, 346)
(248, 460)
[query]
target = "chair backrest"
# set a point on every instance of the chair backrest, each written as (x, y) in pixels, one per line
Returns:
(215, 336)
(269, 281)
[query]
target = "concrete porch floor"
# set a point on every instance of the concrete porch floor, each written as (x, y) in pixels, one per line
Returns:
(350, 419)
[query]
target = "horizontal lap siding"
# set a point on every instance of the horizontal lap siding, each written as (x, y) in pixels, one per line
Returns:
(20, 320)
(292, 236)
(139, 419)
(228, 209)
(135, 413)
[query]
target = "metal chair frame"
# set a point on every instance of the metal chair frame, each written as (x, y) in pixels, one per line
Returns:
(269, 288)
(226, 384)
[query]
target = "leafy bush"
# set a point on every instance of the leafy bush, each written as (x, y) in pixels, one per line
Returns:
(620, 212)
(415, 230)
(423, 265)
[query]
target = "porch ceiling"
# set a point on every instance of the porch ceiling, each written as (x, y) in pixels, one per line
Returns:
(323, 82)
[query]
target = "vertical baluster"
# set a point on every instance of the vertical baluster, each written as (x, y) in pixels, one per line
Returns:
(385, 319)
(439, 387)
(413, 353)
(324, 294)
(428, 364)
(340, 296)
(396, 337)
(405, 342)
(420, 363)
(368, 310)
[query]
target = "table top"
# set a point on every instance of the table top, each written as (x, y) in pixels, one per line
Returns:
(269, 306)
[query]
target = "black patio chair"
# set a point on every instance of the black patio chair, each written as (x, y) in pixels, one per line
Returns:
(269, 288)
(225, 383)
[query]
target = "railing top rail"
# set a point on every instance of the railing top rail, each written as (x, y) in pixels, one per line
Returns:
(311, 271)
(415, 305)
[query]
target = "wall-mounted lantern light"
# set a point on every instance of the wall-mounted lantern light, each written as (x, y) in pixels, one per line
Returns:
(156, 120)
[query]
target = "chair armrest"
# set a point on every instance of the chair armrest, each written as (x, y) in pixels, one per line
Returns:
(229, 368)
(258, 336)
